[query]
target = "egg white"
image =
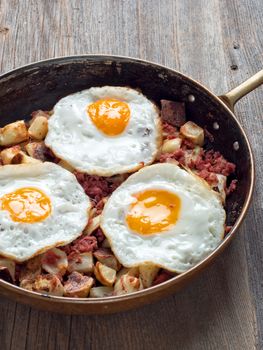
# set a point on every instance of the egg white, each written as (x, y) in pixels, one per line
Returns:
(197, 232)
(73, 137)
(69, 210)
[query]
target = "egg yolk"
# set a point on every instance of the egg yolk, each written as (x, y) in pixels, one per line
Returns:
(154, 211)
(26, 205)
(110, 116)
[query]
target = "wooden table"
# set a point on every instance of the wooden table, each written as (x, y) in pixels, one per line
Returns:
(217, 42)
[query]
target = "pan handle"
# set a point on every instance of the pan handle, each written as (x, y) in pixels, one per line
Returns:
(231, 97)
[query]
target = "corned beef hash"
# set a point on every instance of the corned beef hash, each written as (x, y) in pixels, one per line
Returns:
(108, 194)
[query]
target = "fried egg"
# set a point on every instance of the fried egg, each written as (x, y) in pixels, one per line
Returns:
(41, 206)
(105, 130)
(163, 215)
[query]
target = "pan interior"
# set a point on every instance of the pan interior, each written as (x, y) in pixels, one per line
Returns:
(41, 85)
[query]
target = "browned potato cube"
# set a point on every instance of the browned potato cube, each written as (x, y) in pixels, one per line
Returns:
(48, 284)
(40, 113)
(132, 271)
(22, 158)
(31, 270)
(93, 224)
(81, 263)
(8, 154)
(55, 261)
(36, 150)
(39, 128)
(104, 274)
(13, 133)
(100, 292)
(193, 132)
(147, 274)
(78, 286)
(170, 146)
(27, 284)
(127, 284)
(106, 257)
(221, 186)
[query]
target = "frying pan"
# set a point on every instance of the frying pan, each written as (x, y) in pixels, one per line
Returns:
(40, 85)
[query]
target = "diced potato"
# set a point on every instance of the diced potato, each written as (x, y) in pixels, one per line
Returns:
(22, 158)
(13, 133)
(39, 128)
(93, 225)
(193, 132)
(221, 186)
(77, 285)
(147, 274)
(55, 261)
(66, 165)
(105, 274)
(170, 146)
(81, 263)
(27, 284)
(133, 271)
(100, 292)
(36, 150)
(8, 154)
(127, 284)
(31, 269)
(7, 269)
(40, 113)
(48, 284)
(106, 257)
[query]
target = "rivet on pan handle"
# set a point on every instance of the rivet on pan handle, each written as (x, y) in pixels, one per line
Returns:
(231, 97)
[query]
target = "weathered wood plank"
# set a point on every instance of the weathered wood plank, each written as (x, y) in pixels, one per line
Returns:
(204, 39)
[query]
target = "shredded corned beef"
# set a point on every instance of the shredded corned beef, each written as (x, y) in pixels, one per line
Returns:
(218, 164)
(97, 187)
(99, 235)
(163, 276)
(81, 245)
(228, 229)
(232, 187)
(211, 178)
(50, 258)
(85, 244)
(170, 131)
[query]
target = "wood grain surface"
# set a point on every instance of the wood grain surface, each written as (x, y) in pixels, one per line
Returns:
(219, 43)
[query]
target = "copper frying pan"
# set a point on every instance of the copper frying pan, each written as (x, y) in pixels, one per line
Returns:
(41, 84)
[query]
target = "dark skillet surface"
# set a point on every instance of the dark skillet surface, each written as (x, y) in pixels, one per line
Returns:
(40, 86)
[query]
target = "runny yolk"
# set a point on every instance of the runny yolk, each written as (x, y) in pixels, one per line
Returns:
(110, 116)
(154, 211)
(26, 204)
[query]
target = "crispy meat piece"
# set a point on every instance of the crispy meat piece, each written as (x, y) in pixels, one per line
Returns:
(173, 112)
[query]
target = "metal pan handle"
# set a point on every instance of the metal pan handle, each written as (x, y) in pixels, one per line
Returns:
(231, 97)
